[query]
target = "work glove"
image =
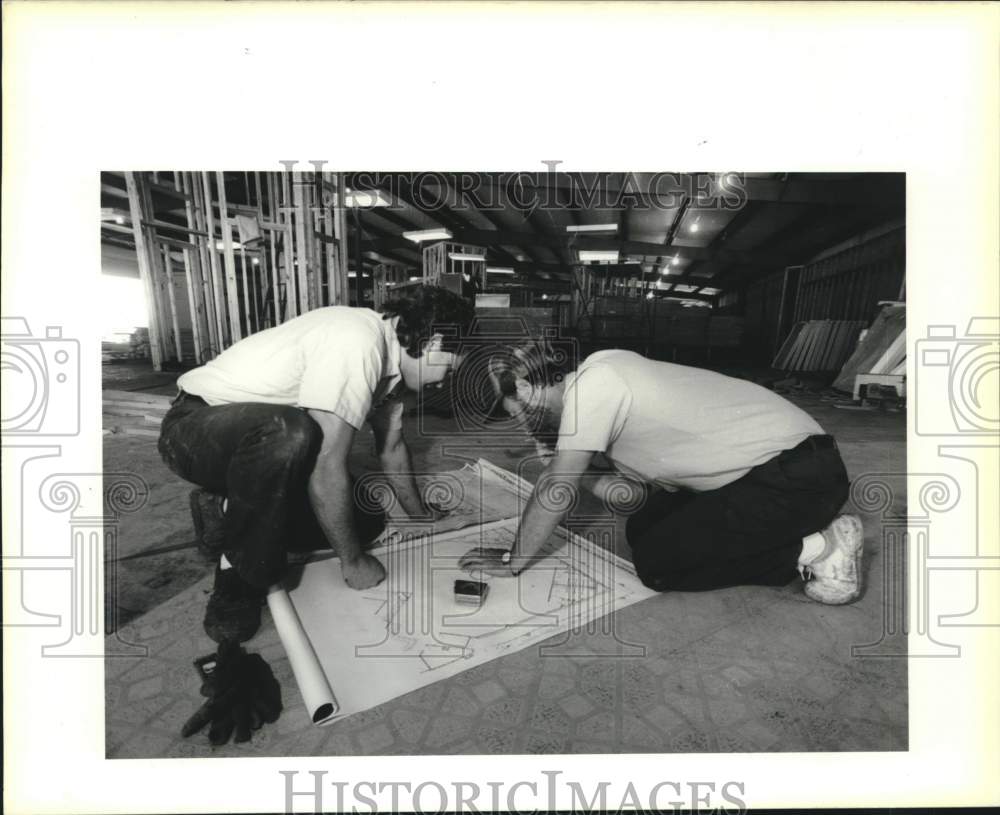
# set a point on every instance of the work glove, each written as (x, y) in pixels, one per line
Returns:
(243, 695)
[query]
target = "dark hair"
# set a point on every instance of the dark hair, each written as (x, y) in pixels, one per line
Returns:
(539, 361)
(427, 311)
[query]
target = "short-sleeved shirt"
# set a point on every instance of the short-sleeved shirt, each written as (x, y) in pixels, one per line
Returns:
(338, 359)
(674, 425)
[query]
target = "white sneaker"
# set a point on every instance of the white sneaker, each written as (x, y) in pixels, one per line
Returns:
(835, 577)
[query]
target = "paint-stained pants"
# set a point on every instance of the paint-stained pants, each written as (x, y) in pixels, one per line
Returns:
(748, 532)
(260, 457)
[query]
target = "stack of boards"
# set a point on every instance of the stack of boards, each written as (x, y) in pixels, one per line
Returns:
(132, 413)
(881, 351)
(818, 345)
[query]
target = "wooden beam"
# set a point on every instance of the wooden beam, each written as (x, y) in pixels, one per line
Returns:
(291, 297)
(303, 231)
(192, 273)
(218, 293)
(340, 233)
(232, 289)
(168, 268)
(175, 227)
(145, 271)
(167, 322)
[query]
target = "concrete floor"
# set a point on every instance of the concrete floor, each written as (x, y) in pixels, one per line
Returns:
(744, 669)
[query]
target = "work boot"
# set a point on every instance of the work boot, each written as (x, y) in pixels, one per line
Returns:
(233, 611)
(834, 577)
(207, 516)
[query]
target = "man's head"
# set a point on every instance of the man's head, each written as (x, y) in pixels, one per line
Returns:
(530, 378)
(430, 325)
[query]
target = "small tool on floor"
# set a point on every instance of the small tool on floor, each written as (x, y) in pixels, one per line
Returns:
(471, 592)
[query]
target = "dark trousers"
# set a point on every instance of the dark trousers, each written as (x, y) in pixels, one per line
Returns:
(748, 532)
(259, 457)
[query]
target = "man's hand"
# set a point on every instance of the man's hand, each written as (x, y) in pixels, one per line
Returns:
(486, 560)
(362, 572)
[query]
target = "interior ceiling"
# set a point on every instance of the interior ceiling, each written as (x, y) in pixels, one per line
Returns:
(683, 228)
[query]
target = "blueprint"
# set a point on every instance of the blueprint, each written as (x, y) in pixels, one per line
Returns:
(372, 646)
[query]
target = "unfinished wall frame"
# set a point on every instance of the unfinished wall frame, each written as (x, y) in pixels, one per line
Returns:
(389, 279)
(458, 267)
(233, 269)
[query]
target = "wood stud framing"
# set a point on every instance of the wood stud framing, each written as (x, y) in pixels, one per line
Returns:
(232, 290)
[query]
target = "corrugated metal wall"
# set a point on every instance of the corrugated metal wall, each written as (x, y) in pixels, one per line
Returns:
(847, 285)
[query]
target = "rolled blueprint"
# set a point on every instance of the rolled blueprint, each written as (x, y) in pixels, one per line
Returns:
(316, 692)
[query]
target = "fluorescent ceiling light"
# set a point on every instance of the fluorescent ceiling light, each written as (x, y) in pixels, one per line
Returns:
(352, 274)
(598, 256)
(499, 270)
(419, 235)
(366, 198)
(593, 228)
(465, 256)
(221, 245)
(710, 291)
(414, 279)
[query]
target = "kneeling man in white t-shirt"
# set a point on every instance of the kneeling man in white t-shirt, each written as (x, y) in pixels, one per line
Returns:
(738, 486)
(269, 423)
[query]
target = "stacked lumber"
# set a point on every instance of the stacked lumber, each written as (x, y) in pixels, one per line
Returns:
(817, 345)
(132, 413)
(881, 351)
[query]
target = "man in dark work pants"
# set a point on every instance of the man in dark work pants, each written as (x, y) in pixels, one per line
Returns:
(269, 424)
(741, 487)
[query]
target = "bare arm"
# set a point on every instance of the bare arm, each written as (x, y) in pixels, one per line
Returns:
(552, 497)
(331, 495)
(394, 456)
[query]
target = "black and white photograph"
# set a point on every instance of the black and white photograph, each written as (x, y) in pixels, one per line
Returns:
(500, 406)
(485, 462)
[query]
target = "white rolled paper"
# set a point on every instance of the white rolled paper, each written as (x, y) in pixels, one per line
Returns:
(316, 692)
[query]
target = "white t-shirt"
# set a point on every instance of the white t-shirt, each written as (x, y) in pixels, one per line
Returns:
(338, 359)
(675, 425)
